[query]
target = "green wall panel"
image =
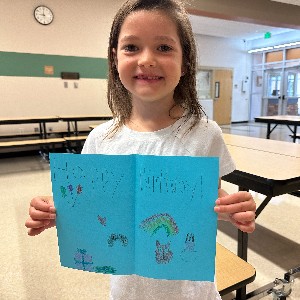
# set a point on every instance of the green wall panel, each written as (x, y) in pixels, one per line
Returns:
(32, 65)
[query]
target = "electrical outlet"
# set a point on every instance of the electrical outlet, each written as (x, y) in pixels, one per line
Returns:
(36, 129)
(50, 129)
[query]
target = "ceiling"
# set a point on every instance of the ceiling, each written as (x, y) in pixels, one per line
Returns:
(234, 29)
(293, 2)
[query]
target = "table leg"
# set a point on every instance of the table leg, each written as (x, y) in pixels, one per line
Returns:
(242, 245)
(241, 294)
(242, 253)
(76, 128)
(44, 130)
(262, 205)
(295, 134)
(268, 130)
(41, 130)
(242, 238)
(69, 129)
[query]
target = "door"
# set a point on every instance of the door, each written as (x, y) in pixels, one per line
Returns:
(272, 100)
(222, 95)
(282, 92)
(291, 97)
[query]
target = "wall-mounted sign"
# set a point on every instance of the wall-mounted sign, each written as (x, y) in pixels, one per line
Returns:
(49, 70)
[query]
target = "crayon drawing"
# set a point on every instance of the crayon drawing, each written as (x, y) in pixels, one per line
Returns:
(163, 253)
(160, 221)
(189, 253)
(189, 243)
(102, 220)
(83, 261)
(113, 238)
(133, 214)
(105, 270)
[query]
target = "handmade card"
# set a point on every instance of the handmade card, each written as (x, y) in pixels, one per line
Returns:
(137, 214)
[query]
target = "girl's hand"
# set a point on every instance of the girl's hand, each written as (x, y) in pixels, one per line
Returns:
(238, 208)
(42, 215)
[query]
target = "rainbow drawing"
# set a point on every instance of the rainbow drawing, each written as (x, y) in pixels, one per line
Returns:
(160, 221)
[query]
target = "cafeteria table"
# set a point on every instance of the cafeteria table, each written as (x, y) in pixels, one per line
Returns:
(292, 122)
(31, 120)
(271, 168)
(74, 119)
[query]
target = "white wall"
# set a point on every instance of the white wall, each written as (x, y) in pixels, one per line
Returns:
(229, 53)
(80, 28)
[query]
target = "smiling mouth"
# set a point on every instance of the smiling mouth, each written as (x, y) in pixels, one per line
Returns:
(148, 77)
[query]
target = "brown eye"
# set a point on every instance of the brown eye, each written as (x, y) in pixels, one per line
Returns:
(164, 48)
(130, 48)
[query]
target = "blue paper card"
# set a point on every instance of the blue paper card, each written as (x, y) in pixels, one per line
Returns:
(137, 214)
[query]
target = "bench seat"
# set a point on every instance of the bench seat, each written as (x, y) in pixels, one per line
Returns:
(34, 142)
(75, 138)
(74, 143)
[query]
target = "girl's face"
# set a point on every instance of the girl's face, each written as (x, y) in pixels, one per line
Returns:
(149, 57)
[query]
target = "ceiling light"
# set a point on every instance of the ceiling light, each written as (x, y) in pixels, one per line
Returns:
(274, 47)
(260, 49)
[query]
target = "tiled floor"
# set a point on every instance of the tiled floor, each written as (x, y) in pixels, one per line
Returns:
(281, 132)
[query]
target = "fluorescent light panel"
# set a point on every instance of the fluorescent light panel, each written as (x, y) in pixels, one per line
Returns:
(274, 47)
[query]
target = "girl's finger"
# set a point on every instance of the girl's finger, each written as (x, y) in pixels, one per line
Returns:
(234, 198)
(42, 203)
(34, 231)
(244, 217)
(41, 215)
(235, 207)
(246, 226)
(36, 224)
(249, 227)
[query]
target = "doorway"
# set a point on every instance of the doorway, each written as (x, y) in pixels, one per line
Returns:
(281, 92)
(222, 95)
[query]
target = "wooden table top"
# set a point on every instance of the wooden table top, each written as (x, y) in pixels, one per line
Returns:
(265, 164)
(284, 119)
(232, 272)
(84, 117)
(23, 120)
(266, 145)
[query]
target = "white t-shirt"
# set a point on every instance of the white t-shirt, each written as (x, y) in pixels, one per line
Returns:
(205, 139)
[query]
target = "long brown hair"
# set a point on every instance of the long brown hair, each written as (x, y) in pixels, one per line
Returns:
(185, 94)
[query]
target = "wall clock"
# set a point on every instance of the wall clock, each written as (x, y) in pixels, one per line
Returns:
(43, 15)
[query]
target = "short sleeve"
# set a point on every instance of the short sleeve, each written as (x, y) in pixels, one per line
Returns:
(219, 148)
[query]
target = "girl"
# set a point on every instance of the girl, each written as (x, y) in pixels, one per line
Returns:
(152, 95)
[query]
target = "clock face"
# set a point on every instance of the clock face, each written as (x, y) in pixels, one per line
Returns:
(43, 15)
